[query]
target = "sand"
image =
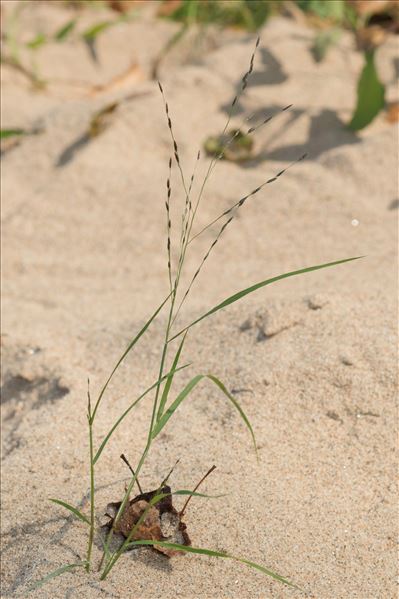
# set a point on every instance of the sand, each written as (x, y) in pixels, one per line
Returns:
(312, 359)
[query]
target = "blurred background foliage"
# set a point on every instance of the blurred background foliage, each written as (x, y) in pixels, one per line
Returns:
(369, 21)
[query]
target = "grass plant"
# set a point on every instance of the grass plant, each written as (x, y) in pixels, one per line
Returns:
(163, 407)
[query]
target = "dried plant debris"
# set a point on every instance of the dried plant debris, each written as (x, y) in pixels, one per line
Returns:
(102, 119)
(162, 521)
(99, 122)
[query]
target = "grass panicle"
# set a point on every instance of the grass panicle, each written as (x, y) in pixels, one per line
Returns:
(242, 200)
(244, 80)
(169, 223)
(166, 403)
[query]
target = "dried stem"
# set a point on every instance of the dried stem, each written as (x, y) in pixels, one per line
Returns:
(165, 480)
(124, 458)
(195, 489)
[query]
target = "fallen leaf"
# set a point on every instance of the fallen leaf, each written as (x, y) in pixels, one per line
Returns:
(126, 79)
(392, 115)
(162, 522)
(368, 38)
(124, 5)
(169, 7)
(101, 119)
(364, 7)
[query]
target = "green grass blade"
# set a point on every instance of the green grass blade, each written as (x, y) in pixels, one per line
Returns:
(37, 41)
(186, 391)
(5, 133)
(127, 350)
(95, 30)
(211, 553)
(107, 553)
(236, 405)
(196, 494)
(56, 573)
(169, 379)
(248, 290)
(173, 407)
(72, 509)
(126, 412)
(65, 30)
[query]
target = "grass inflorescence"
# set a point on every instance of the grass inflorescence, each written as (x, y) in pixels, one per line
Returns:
(163, 408)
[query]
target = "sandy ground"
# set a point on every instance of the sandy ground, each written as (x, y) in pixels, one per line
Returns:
(312, 359)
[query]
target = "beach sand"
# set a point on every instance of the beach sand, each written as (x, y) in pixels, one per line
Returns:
(312, 359)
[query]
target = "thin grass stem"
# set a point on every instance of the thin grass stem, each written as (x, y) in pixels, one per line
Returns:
(92, 487)
(125, 353)
(197, 272)
(149, 438)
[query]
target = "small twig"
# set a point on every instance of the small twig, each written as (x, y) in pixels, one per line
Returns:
(195, 488)
(124, 458)
(165, 480)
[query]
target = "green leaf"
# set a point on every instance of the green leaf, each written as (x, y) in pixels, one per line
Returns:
(211, 553)
(170, 411)
(244, 292)
(65, 30)
(186, 391)
(5, 133)
(127, 350)
(72, 509)
(169, 380)
(126, 412)
(95, 30)
(370, 95)
(236, 405)
(56, 573)
(38, 41)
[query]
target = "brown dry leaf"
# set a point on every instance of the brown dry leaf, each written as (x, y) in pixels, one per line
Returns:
(123, 5)
(101, 119)
(392, 115)
(364, 7)
(162, 522)
(168, 7)
(126, 79)
(370, 37)
(149, 529)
